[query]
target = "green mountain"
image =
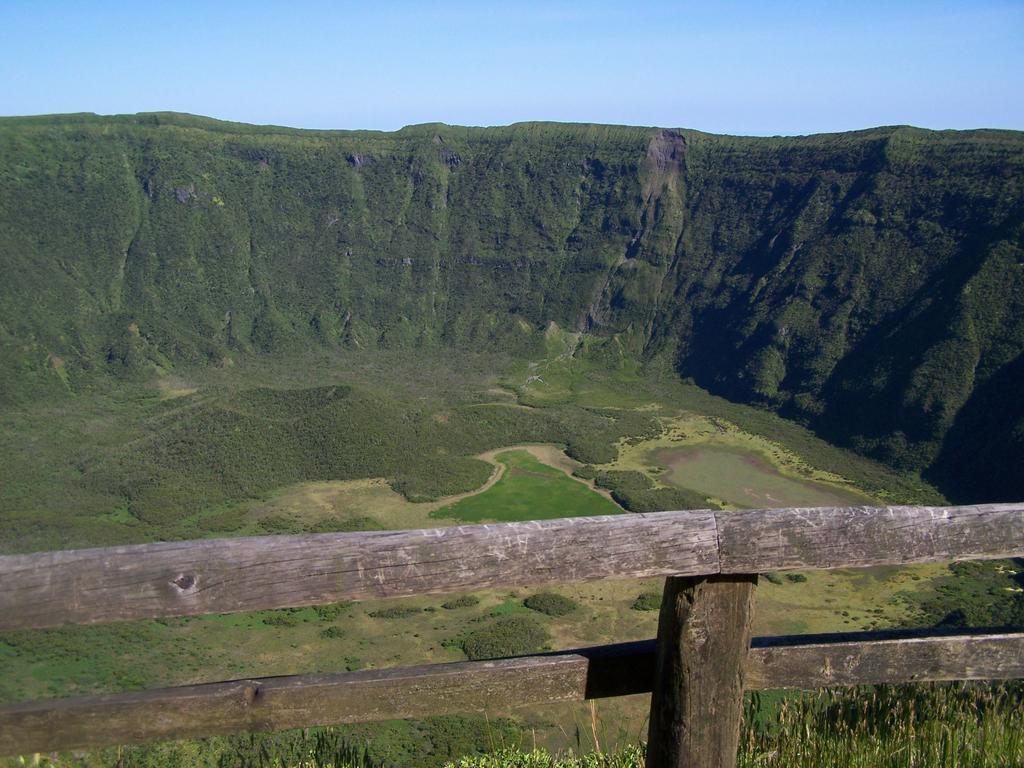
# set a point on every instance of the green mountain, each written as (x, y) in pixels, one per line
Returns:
(869, 284)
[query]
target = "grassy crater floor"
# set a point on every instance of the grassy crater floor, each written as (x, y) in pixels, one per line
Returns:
(531, 448)
(528, 489)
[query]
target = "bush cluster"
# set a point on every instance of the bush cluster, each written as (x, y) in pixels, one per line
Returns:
(394, 612)
(284, 617)
(636, 492)
(550, 603)
(647, 601)
(511, 635)
(463, 601)
(331, 611)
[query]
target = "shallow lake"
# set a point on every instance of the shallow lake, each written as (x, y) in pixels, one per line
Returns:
(745, 479)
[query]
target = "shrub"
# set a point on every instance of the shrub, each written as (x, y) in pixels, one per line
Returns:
(590, 451)
(647, 601)
(796, 578)
(586, 472)
(395, 612)
(465, 601)
(507, 636)
(330, 612)
(636, 492)
(225, 521)
(332, 633)
(278, 524)
(623, 479)
(287, 617)
(550, 603)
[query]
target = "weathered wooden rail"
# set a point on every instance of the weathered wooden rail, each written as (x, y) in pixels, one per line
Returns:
(702, 661)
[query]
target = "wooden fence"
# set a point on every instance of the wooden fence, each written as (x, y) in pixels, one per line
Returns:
(698, 668)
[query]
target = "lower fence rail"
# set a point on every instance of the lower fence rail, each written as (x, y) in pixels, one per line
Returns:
(698, 669)
(275, 703)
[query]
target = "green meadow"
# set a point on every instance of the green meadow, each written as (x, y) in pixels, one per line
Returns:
(529, 490)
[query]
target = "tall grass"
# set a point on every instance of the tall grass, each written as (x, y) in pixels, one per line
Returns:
(628, 757)
(922, 726)
(970, 726)
(936, 726)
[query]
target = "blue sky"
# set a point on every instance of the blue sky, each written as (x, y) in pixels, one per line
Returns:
(742, 67)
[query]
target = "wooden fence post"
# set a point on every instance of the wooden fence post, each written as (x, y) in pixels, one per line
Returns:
(703, 640)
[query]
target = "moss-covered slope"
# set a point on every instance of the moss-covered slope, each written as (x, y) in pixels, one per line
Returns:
(868, 283)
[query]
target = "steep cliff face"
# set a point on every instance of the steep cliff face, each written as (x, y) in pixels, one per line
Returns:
(871, 284)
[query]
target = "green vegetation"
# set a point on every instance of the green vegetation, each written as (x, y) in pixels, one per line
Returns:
(977, 593)
(629, 757)
(505, 636)
(452, 413)
(148, 654)
(394, 612)
(637, 493)
(529, 490)
(708, 419)
(213, 329)
(510, 605)
(286, 617)
(424, 743)
(433, 741)
(331, 611)
(866, 283)
(935, 726)
(463, 601)
(320, 748)
(962, 726)
(924, 727)
(143, 467)
(647, 601)
(550, 604)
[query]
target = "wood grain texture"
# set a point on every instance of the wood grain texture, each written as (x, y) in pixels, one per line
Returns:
(589, 673)
(245, 574)
(320, 699)
(703, 641)
(759, 540)
(823, 661)
(229, 575)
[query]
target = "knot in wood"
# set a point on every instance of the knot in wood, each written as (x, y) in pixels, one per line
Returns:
(184, 582)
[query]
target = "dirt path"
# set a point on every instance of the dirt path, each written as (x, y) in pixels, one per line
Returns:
(373, 497)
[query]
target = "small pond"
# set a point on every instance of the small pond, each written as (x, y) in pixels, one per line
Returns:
(745, 479)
